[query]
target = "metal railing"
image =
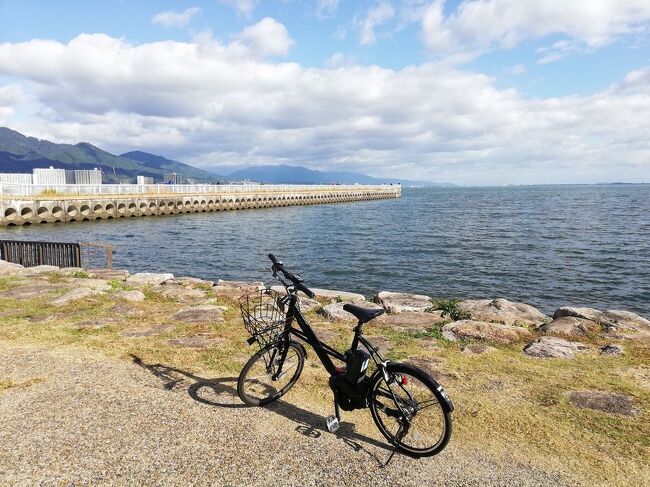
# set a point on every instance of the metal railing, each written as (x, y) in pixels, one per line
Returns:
(52, 190)
(60, 254)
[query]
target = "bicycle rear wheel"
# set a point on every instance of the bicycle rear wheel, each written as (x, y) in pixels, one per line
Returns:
(261, 381)
(410, 411)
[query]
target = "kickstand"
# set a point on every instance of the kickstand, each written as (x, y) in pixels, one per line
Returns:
(400, 434)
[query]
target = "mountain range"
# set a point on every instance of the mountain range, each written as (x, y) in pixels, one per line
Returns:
(21, 154)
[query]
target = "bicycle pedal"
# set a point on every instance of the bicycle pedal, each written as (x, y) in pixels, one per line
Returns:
(332, 424)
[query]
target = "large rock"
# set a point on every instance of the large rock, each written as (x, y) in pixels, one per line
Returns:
(235, 289)
(182, 294)
(604, 401)
(410, 321)
(570, 326)
(553, 347)
(336, 295)
(31, 291)
(401, 302)
(583, 313)
(37, 270)
(307, 304)
(484, 331)
(108, 274)
(131, 296)
(9, 268)
(502, 311)
(622, 324)
(149, 278)
(98, 284)
(74, 295)
(189, 282)
(335, 311)
(200, 314)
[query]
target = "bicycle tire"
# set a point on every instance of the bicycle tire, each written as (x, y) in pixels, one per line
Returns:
(440, 410)
(259, 363)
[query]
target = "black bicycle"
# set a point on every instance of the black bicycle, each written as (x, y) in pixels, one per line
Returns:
(408, 406)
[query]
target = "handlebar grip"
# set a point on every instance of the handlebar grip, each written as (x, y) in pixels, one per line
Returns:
(305, 290)
(273, 259)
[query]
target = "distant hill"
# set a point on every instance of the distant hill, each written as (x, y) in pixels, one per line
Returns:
(169, 165)
(300, 175)
(19, 153)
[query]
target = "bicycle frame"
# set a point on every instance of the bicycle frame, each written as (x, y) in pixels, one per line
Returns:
(324, 351)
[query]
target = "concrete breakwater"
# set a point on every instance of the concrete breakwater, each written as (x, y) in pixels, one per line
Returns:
(25, 204)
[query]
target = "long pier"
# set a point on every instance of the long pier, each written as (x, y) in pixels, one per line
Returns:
(26, 204)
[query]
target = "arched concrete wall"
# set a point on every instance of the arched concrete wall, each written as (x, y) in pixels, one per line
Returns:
(79, 208)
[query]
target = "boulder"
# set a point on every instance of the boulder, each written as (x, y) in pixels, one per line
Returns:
(380, 342)
(149, 278)
(9, 268)
(98, 284)
(182, 294)
(335, 311)
(627, 324)
(189, 282)
(611, 349)
(335, 295)
(31, 291)
(410, 321)
(131, 296)
(619, 324)
(478, 349)
(401, 302)
(484, 331)
(71, 271)
(553, 347)
(235, 289)
(584, 313)
(570, 326)
(307, 304)
(108, 274)
(502, 311)
(75, 294)
(200, 314)
(604, 401)
(126, 310)
(37, 270)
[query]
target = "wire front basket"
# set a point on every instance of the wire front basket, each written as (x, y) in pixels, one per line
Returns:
(263, 315)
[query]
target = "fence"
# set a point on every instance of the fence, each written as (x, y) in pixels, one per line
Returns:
(60, 254)
(129, 189)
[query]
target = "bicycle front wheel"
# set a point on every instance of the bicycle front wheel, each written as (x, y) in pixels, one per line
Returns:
(265, 378)
(410, 411)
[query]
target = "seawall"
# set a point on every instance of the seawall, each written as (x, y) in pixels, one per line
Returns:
(29, 204)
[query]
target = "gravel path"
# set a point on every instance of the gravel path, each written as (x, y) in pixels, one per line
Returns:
(89, 420)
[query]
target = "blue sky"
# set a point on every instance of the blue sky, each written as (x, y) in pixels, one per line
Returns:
(409, 88)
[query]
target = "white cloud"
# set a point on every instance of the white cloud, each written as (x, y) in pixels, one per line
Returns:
(242, 7)
(516, 70)
(375, 17)
(477, 25)
(176, 19)
(326, 9)
(268, 37)
(216, 104)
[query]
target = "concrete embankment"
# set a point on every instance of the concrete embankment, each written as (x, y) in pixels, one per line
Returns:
(26, 204)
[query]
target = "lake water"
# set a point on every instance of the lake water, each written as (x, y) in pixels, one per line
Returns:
(547, 245)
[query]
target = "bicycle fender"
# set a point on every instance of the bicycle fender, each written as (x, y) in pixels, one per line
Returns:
(301, 346)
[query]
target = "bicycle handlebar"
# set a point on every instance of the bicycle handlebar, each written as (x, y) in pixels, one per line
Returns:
(297, 282)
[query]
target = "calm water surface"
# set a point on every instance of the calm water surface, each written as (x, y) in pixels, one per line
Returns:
(548, 245)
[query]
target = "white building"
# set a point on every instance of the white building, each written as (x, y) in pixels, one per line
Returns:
(51, 176)
(87, 177)
(145, 180)
(172, 177)
(15, 178)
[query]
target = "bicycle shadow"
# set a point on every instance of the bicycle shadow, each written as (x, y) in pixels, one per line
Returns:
(222, 392)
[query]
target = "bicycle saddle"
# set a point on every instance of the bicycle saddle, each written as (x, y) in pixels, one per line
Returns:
(363, 314)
